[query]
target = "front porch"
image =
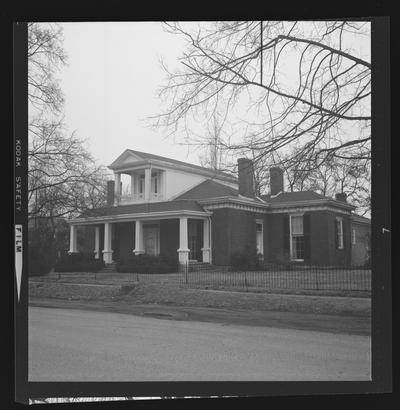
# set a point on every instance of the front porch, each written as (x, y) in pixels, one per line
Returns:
(186, 238)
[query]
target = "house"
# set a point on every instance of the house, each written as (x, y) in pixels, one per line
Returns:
(194, 213)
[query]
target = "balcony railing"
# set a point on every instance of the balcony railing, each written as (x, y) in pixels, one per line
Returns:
(135, 198)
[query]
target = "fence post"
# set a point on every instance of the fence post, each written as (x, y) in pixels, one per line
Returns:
(186, 268)
(245, 280)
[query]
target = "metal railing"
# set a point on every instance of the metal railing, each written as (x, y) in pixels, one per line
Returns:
(329, 278)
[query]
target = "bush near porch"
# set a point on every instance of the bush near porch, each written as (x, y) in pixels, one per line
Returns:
(147, 264)
(79, 262)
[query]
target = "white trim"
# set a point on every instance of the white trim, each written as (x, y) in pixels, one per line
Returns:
(341, 242)
(291, 238)
(308, 208)
(142, 216)
(260, 222)
(353, 236)
(169, 165)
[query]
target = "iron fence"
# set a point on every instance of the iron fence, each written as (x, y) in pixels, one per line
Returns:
(269, 277)
(335, 278)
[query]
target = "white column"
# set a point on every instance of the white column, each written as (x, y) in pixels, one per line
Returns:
(206, 241)
(183, 250)
(117, 187)
(132, 185)
(138, 238)
(107, 251)
(97, 242)
(73, 239)
(147, 184)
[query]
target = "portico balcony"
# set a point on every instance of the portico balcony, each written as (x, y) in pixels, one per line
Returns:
(137, 198)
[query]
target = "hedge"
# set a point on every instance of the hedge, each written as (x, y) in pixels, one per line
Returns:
(147, 264)
(78, 262)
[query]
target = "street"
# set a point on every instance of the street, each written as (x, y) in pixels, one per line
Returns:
(79, 345)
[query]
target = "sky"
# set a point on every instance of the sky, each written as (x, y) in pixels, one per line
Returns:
(110, 86)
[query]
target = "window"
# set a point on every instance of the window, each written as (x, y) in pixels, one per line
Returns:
(297, 237)
(353, 236)
(339, 233)
(154, 183)
(259, 237)
(141, 184)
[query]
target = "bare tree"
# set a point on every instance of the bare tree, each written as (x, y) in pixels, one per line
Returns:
(63, 178)
(45, 57)
(278, 84)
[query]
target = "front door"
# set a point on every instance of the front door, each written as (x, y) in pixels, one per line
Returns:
(195, 239)
(151, 236)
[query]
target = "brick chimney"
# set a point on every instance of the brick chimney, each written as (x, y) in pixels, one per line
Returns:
(276, 180)
(110, 193)
(341, 196)
(246, 177)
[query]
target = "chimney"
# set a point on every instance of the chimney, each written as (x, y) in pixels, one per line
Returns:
(246, 177)
(110, 193)
(276, 180)
(341, 196)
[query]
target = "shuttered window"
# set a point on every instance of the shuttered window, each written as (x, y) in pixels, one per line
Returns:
(339, 233)
(297, 237)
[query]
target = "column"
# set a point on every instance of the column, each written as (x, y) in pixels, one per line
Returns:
(73, 239)
(206, 241)
(107, 251)
(117, 192)
(183, 250)
(97, 242)
(147, 184)
(138, 238)
(132, 185)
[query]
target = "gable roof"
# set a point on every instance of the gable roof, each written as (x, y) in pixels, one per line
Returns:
(148, 157)
(209, 189)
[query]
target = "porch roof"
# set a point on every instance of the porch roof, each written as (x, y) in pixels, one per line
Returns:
(149, 207)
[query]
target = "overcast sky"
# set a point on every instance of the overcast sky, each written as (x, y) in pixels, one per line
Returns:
(110, 86)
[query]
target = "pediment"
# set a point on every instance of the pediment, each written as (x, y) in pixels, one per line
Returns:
(127, 157)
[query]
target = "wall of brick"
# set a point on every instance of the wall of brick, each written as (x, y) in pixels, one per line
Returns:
(322, 243)
(360, 250)
(124, 240)
(232, 230)
(274, 250)
(339, 256)
(169, 237)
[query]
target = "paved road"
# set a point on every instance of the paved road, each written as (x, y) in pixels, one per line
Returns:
(78, 345)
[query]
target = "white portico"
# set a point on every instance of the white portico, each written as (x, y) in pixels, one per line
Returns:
(185, 232)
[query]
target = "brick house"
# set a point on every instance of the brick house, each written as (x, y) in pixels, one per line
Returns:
(196, 214)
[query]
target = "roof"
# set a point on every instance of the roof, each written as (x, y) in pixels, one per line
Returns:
(360, 219)
(209, 189)
(293, 197)
(150, 207)
(148, 156)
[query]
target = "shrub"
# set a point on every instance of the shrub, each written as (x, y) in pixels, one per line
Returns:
(41, 251)
(244, 260)
(148, 264)
(79, 262)
(39, 264)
